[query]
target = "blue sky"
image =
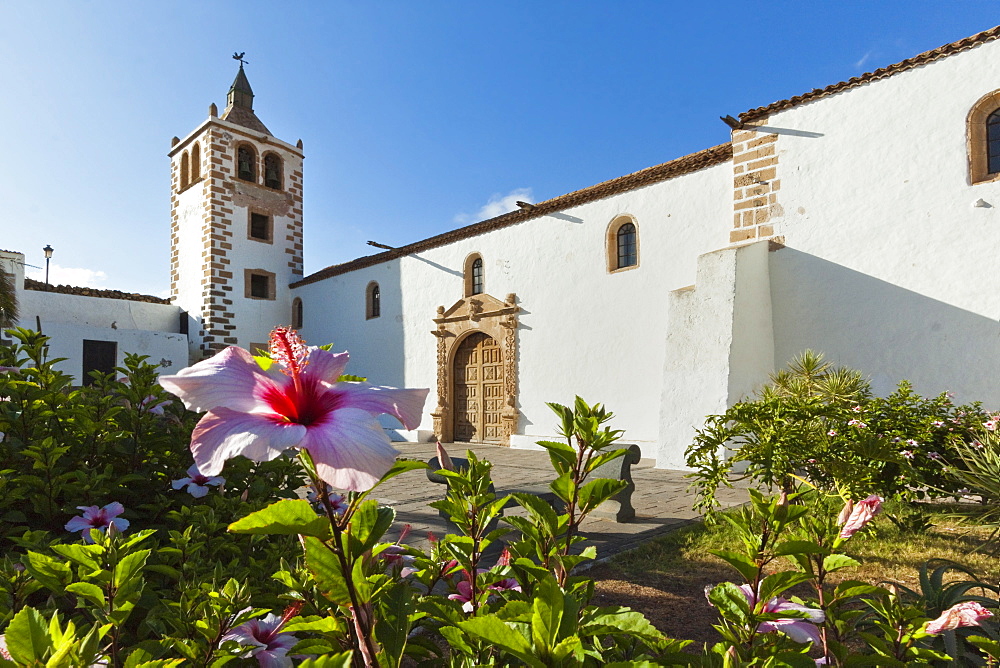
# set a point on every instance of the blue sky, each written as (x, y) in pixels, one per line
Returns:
(417, 117)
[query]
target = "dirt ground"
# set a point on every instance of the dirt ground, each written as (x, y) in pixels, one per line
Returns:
(676, 605)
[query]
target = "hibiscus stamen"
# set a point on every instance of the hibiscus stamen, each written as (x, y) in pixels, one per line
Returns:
(290, 612)
(288, 349)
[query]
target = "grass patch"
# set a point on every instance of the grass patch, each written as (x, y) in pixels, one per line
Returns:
(665, 578)
(885, 551)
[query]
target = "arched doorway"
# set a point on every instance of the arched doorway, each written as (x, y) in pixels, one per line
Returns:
(479, 389)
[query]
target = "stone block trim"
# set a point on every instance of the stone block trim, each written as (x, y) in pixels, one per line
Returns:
(755, 186)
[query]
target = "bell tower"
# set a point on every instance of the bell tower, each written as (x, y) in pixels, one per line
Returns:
(235, 226)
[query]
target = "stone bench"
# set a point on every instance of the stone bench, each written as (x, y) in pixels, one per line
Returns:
(618, 507)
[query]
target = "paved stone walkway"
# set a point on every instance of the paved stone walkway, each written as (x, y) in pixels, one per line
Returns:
(661, 499)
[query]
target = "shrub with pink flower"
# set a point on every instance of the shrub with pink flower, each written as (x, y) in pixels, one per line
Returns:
(98, 518)
(298, 402)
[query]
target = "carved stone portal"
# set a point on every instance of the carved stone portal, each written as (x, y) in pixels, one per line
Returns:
(476, 314)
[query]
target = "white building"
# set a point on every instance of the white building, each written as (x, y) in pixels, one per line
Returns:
(856, 219)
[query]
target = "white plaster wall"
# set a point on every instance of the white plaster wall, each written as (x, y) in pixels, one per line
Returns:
(99, 312)
(12, 262)
(189, 247)
(719, 344)
(889, 266)
(582, 330)
(164, 348)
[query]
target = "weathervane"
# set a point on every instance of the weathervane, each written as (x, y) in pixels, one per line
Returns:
(239, 57)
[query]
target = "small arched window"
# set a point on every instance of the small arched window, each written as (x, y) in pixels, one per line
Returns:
(195, 162)
(983, 139)
(474, 275)
(246, 163)
(272, 171)
(993, 143)
(297, 313)
(373, 301)
(623, 244)
(185, 162)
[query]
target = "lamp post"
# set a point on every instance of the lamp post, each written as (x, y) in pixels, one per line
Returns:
(48, 256)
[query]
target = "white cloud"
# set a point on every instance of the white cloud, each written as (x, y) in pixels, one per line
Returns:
(77, 276)
(864, 59)
(497, 206)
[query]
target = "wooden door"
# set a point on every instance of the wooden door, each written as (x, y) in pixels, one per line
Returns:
(478, 374)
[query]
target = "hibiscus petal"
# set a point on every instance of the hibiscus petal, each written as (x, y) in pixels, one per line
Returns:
(120, 523)
(798, 630)
(326, 366)
(273, 657)
(405, 405)
(231, 379)
(114, 509)
(197, 491)
(223, 434)
(77, 524)
(177, 484)
(350, 449)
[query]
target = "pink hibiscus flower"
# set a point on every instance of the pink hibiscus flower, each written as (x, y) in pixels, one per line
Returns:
(799, 629)
(298, 402)
(967, 613)
(268, 644)
(98, 518)
(197, 484)
(860, 515)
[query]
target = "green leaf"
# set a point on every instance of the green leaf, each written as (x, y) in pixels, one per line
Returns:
(326, 571)
(563, 487)
(285, 517)
(547, 613)
(129, 566)
(88, 556)
(834, 562)
(740, 562)
(314, 623)
(51, 572)
(368, 525)
(27, 636)
(776, 583)
(499, 634)
(341, 660)
(393, 623)
(88, 591)
(731, 602)
(619, 620)
(597, 491)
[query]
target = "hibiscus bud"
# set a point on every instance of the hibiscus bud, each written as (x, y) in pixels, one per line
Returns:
(862, 515)
(113, 530)
(845, 513)
(444, 461)
(967, 613)
(245, 495)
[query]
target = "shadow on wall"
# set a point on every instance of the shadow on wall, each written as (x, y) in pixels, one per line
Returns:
(886, 331)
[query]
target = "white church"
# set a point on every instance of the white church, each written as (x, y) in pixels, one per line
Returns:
(859, 220)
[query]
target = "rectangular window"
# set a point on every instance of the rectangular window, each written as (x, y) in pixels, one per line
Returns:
(98, 356)
(260, 227)
(259, 284)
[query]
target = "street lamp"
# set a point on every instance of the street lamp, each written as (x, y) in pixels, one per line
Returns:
(48, 256)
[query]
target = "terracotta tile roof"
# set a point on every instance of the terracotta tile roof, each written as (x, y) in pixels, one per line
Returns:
(650, 175)
(908, 64)
(31, 284)
(246, 118)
